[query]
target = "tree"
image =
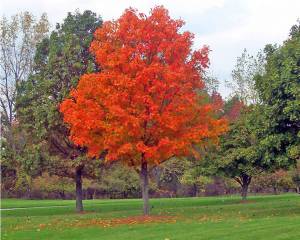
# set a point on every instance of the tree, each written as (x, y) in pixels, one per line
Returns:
(167, 175)
(243, 83)
(296, 177)
(47, 185)
(143, 107)
(18, 39)
(192, 177)
(279, 91)
(59, 62)
(277, 180)
(211, 82)
(233, 108)
(118, 181)
(240, 154)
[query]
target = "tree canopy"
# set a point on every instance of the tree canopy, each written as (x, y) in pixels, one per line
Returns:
(59, 62)
(279, 90)
(142, 108)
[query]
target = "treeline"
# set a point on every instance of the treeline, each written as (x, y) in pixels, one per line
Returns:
(116, 182)
(39, 68)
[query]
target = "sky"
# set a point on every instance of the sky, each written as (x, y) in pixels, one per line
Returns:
(226, 26)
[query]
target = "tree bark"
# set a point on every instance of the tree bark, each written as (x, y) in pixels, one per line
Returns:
(244, 192)
(246, 180)
(144, 178)
(78, 180)
(195, 190)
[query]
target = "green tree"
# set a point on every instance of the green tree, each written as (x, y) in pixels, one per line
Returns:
(59, 62)
(118, 181)
(279, 90)
(198, 182)
(239, 156)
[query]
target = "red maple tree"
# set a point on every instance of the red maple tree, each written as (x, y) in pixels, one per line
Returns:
(235, 111)
(144, 106)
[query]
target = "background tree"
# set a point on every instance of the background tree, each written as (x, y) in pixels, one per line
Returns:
(142, 108)
(117, 181)
(193, 178)
(279, 90)
(277, 181)
(240, 156)
(233, 108)
(167, 175)
(18, 39)
(56, 185)
(59, 62)
(296, 177)
(242, 83)
(211, 82)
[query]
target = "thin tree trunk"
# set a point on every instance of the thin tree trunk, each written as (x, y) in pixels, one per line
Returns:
(244, 191)
(78, 180)
(246, 180)
(144, 178)
(62, 195)
(195, 190)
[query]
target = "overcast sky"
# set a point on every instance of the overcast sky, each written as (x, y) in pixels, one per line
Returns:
(227, 26)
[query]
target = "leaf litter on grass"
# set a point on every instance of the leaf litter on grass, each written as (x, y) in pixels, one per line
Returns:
(105, 223)
(133, 220)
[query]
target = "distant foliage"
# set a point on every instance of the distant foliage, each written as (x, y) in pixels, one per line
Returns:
(19, 37)
(242, 83)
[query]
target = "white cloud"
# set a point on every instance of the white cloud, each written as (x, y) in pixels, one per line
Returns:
(57, 9)
(263, 22)
(227, 26)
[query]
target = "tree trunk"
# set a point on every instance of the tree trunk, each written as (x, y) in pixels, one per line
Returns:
(246, 180)
(144, 178)
(244, 192)
(78, 180)
(195, 190)
(62, 195)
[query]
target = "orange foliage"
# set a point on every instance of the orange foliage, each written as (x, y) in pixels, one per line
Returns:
(143, 104)
(217, 102)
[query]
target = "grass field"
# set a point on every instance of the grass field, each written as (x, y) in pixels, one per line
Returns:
(261, 217)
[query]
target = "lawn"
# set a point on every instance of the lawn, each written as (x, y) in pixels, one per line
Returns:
(261, 217)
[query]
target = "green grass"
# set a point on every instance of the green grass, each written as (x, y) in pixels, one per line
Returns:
(262, 217)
